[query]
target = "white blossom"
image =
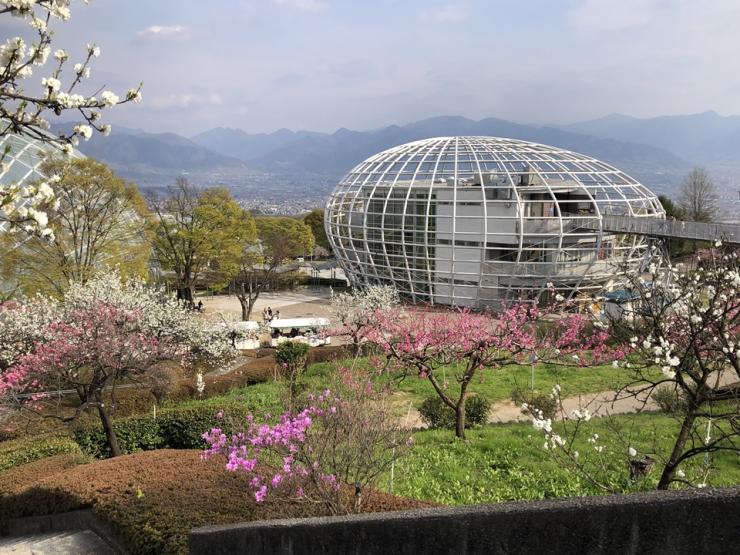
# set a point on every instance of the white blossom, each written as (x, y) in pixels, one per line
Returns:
(109, 98)
(52, 83)
(85, 131)
(581, 414)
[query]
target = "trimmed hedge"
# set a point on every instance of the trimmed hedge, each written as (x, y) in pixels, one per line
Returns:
(17, 452)
(436, 414)
(175, 428)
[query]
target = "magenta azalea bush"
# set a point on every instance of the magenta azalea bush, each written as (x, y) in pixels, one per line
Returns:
(344, 436)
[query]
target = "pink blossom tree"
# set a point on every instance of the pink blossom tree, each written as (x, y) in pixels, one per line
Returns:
(103, 333)
(91, 351)
(427, 342)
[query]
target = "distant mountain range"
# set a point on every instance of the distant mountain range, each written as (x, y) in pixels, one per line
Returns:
(337, 153)
(658, 151)
(155, 159)
(702, 138)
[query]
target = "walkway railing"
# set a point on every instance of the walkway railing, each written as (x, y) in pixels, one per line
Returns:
(728, 233)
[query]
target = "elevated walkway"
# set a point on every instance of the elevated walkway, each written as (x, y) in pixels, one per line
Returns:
(665, 229)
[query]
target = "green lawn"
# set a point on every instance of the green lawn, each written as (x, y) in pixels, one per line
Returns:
(497, 385)
(508, 462)
(494, 385)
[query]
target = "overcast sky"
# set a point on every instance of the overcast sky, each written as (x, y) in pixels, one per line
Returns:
(323, 64)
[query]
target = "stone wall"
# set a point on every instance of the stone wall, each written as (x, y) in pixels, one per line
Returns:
(690, 521)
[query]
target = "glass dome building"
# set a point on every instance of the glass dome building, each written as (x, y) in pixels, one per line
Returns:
(479, 221)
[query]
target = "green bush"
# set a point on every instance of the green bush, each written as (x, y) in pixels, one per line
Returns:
(292, 354)
(175, 428)
(436, 414)
(669, 400)
(543, 402)
(21, 451)
(135, 433)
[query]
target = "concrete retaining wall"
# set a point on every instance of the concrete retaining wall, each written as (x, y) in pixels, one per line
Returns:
(691, 521)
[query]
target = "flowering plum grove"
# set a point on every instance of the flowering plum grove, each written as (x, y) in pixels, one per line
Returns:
(24, 113)
(101, 334)
(427, 342)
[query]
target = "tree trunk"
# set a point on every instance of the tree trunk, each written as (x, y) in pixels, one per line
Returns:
(670, 468)
(185, 294)
(245, 308)
(460, 417)
(110, 433)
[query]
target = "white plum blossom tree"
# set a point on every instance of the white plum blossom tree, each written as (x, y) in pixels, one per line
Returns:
(682, 336)
(26, 112)
(355, 311)
(161, 314)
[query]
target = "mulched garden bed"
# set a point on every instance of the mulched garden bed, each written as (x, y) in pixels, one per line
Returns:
(152, 499)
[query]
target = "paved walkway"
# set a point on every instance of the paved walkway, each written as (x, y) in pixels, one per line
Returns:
(73, 542)
(307, 301)
(598, 404)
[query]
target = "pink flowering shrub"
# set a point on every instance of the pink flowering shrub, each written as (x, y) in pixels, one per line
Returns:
(344, 439)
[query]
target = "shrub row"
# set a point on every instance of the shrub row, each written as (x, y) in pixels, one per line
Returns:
(175, 428)
(436, 414)
(17, 452)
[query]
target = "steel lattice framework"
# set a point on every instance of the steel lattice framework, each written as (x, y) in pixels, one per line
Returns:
(22, 163)
(476, 221)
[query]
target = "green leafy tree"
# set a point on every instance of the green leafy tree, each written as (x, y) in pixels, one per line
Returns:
(98, 221)
(280, 240)
(292, 356)
(201, 236)
(674, 211)
(315, 220)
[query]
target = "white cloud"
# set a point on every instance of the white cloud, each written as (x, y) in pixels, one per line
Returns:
(184, 100)
(303, 5)
(163, 31)
(609, 16)
(450, 13)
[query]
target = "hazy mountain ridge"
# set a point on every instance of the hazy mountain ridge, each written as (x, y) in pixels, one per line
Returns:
(338, 152)
(702, 138)
(132, 151)
(658, 151)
